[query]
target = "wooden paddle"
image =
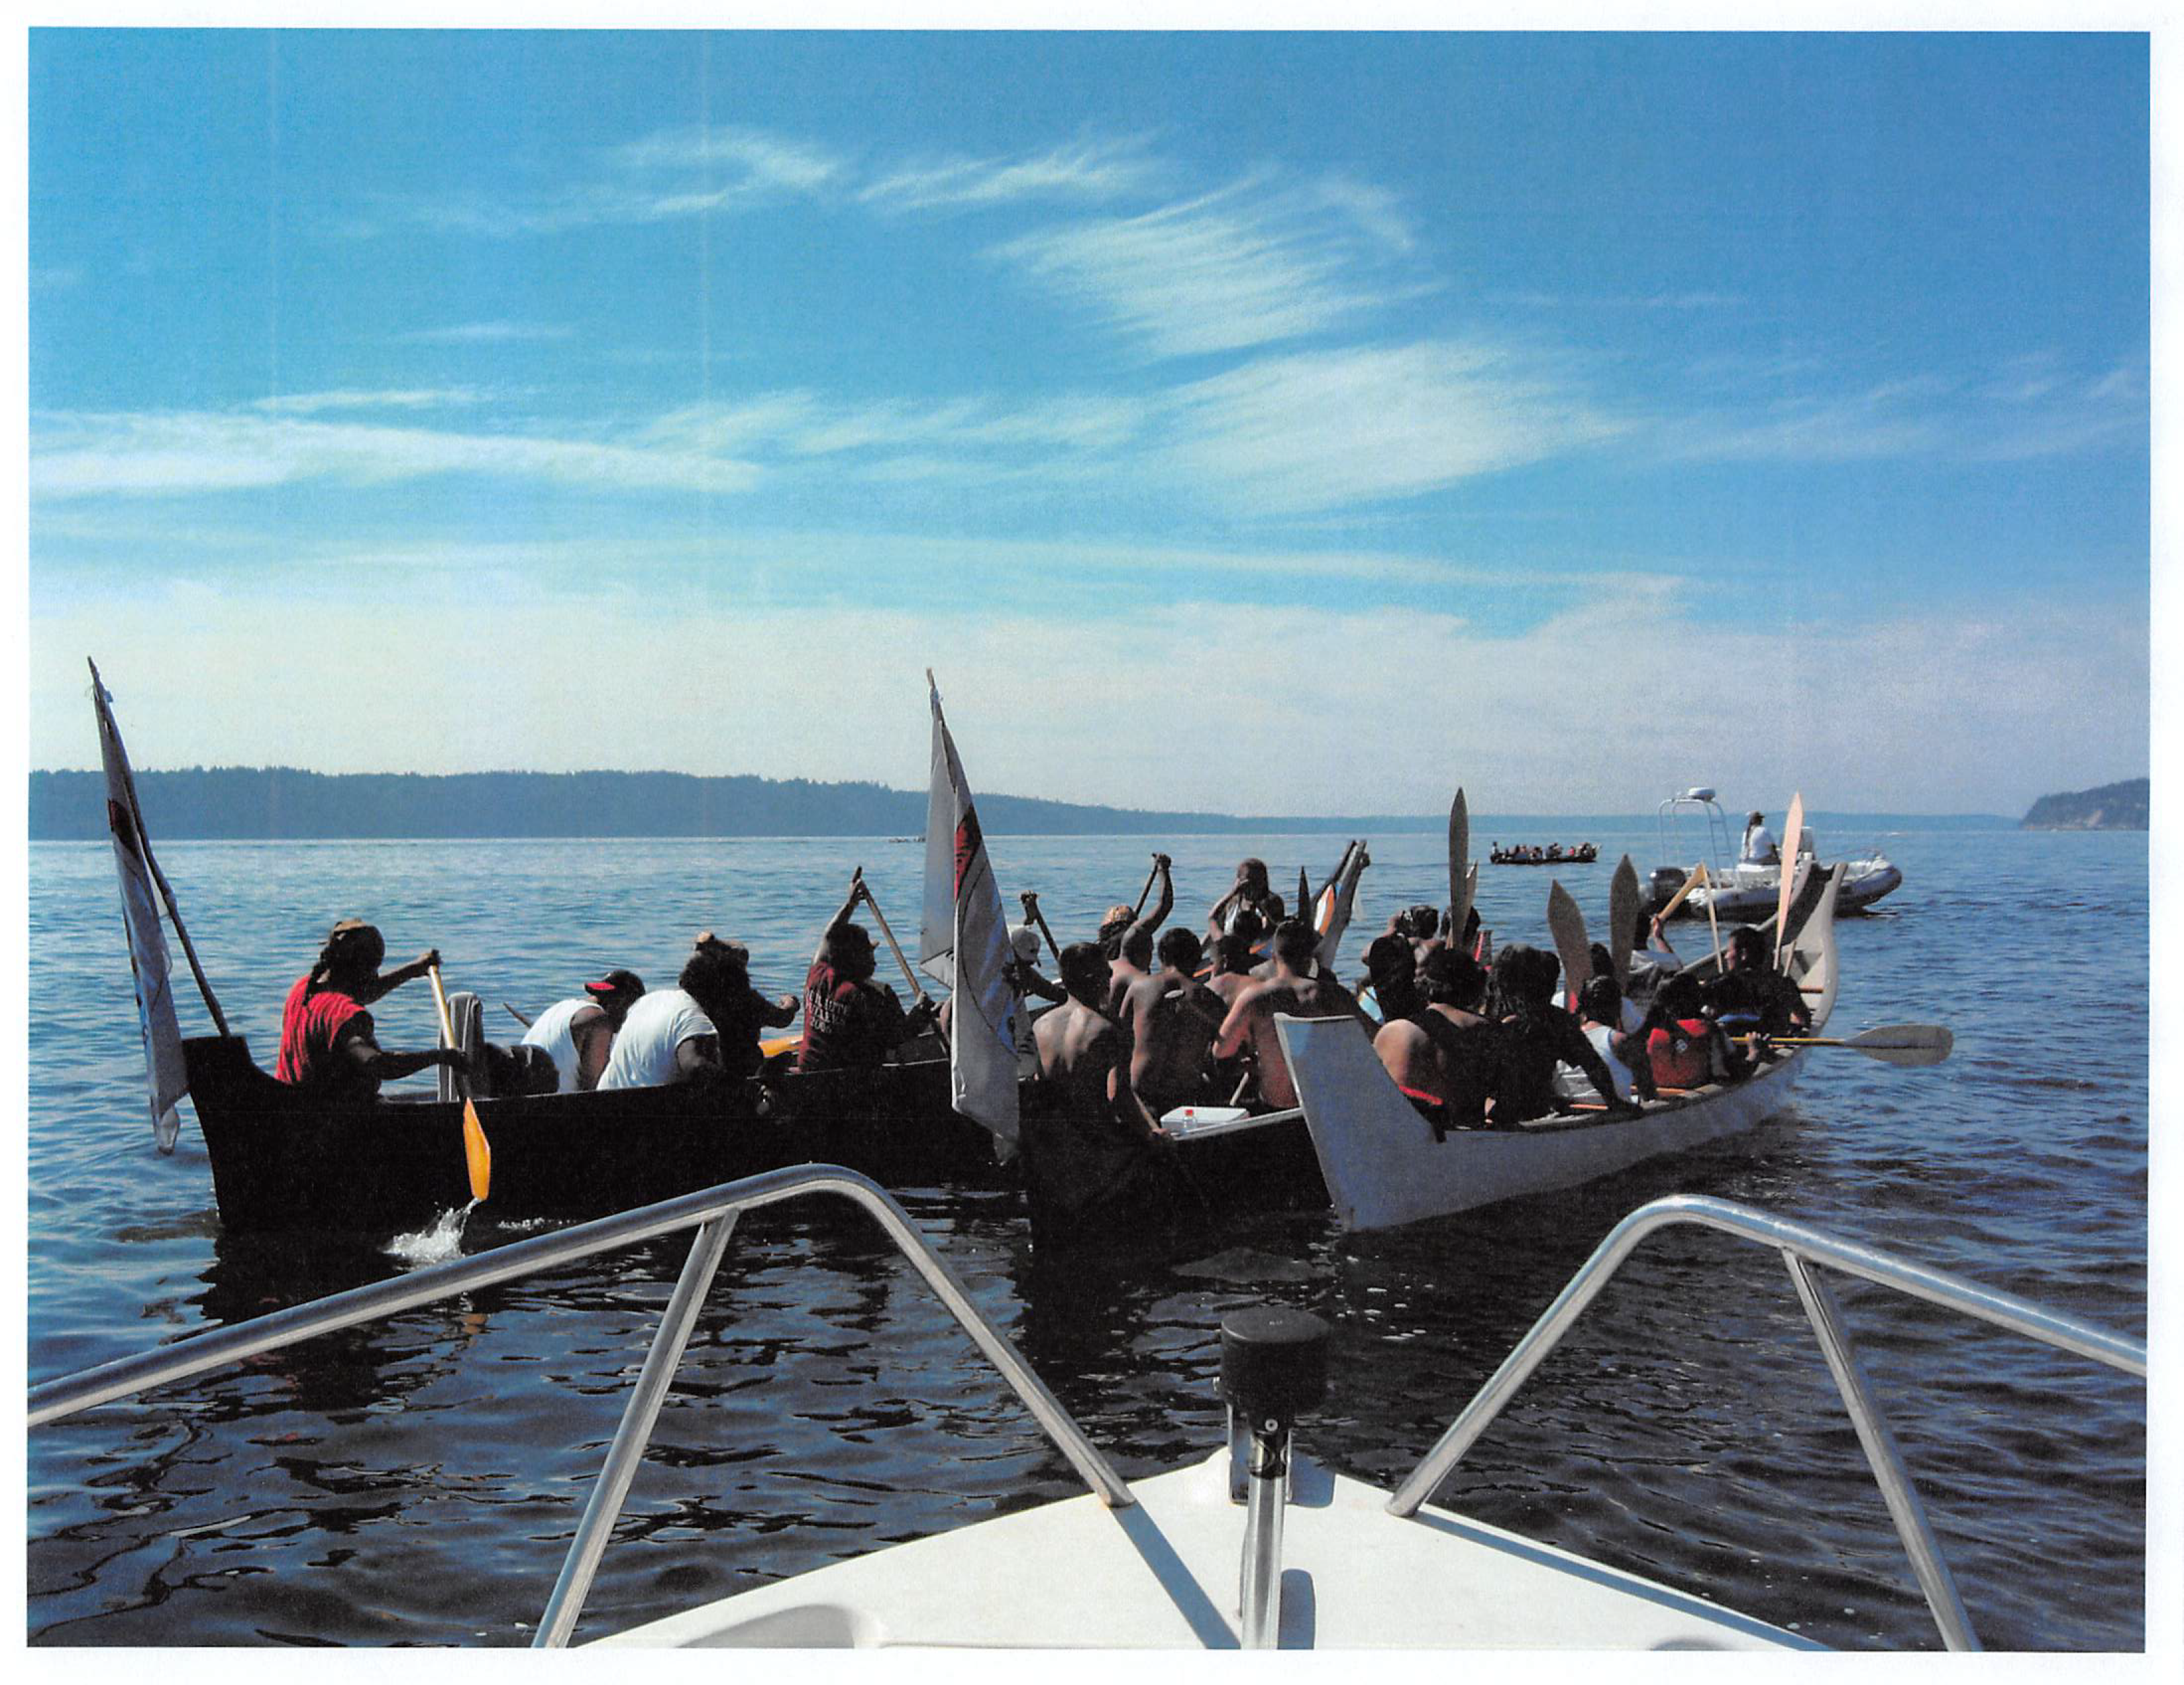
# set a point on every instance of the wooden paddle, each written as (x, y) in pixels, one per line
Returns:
(1567, 925)
(1462, 875)
(1893, 1044)
(1698, 877)
(478, 1154)
(514, 1014)
(864, 890)
(1623, 919)
(1031, 911)
(1789, 874)
(1143, 895)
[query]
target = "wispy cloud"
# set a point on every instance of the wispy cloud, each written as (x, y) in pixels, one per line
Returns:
(974, 430)
(485, 333)
(195, 452)
(423, 398)
(743, 160)
(1087, 170)
(1249, 266)
(1318, 430)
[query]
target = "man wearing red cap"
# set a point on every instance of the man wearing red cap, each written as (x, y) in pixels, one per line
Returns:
(578, 1033)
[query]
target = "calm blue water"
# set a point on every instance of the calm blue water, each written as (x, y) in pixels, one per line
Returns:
(417, 1482)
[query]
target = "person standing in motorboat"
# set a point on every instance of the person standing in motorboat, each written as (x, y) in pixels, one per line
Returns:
(327, 1040)
(1760, 848)
(577, 1034)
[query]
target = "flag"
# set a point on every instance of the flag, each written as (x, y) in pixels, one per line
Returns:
(148, 942)
(963, 941)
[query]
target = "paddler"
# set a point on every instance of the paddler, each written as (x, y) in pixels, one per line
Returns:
(1291, 988)
(1536, 1036)
(577, 1034)
(326, 1041)
(1444, 1056)
(1171, 1017)
(1391, 973)
(1123, 920)
(740, 1012)
(1250, 893)
(1750, 997)
(851, 1022)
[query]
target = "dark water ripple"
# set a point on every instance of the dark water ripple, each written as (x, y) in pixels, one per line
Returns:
(417, 1482)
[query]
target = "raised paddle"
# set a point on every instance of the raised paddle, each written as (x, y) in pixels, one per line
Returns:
(1567, 925)
(1697, 876)
(1142, 893)
(1623, 919)
(1893, 1044)
(1789, 875)
(1462, 876)
(514, 1014)
(477, 1155)
(1304, 897)
(1031, 911)
(896, 948)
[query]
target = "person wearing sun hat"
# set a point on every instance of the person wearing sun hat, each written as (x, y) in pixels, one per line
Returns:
(577, 1034)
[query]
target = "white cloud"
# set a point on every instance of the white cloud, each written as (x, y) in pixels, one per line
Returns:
(1391, 708)
(1320, 429)
(745, 160)
(1088, 169)
(1242, 268)
(179, 453)
(421, 398)
(485, 333)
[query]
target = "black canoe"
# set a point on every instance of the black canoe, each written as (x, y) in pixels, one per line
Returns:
(281, 1160)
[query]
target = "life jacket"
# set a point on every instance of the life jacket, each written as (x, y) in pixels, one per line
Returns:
(1681, 1053)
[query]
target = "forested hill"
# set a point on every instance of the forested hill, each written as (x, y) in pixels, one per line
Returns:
(2111, 807)
(280, 802)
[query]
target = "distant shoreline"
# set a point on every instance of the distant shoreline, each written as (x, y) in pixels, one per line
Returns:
(281, 804)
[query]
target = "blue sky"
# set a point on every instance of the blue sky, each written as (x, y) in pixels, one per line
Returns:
(1262, 423)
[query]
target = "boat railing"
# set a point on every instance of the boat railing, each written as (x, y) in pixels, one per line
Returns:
(713, 1214)
(1802, 1249)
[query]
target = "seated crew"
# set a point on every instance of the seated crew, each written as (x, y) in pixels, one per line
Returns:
(1123, 919)
(1250, 893)
(1446, 1057)
(327, 1039)
(1291, 988)
(1088, 1142)
(1751, 997)
(1760, 848)
(669, 1035)
(1171, 1017)
(1029, 984)
(1130, 964)
(1391, 973)
(851, 1022)
(1684, 1048)
(1536, 1036)
(577, 1034)
(1601, 1011)
(741, 1015)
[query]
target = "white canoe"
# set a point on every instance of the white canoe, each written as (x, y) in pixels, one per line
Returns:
(1382, 1166)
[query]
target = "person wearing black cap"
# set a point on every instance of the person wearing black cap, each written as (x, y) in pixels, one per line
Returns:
(326, 1042)
(578, 1033)
(849, 1021)
(1760, 848)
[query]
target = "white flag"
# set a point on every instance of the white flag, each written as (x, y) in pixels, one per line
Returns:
(148, 942)
(964, 941)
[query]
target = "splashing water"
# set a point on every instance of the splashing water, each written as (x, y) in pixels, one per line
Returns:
(439, 1241)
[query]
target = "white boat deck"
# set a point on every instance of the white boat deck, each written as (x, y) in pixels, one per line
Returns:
(1165, 1574)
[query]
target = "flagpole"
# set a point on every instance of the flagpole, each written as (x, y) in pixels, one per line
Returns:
(144, 846)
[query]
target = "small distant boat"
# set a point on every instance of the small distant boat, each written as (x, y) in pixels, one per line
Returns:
(1742, 891)
(1554, 854)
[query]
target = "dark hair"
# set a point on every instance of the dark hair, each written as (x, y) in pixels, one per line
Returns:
(1601, 999)
(1680, 995)
(1420, 920)
(1524, 976)
(1603, 962)
(1296, 942)
(1233, 953)
(1136, 946)
(711, 977)
(1452, 978)
(1084, 971)
(1248, 925)
(1179, 946)
(351, 946)
(1386, 951)
(1746, 942)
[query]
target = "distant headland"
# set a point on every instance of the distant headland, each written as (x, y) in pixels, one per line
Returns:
(282, 803)
(2112, 807)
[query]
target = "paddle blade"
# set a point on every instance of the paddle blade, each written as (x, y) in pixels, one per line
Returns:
(1459, 857)
(1906, 1044)
(1623, 919)
(1796, 830)
(1567, 925)
(477, 1154)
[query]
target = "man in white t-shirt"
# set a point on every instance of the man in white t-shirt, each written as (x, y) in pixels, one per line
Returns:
(667, 1037)
(1760, 848)
(578, 1033)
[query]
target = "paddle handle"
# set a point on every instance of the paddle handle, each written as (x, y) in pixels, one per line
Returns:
(1696, 876)
(895, 947)
(1031, 911)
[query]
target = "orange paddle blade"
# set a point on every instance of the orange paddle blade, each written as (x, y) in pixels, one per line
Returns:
(477, 1154)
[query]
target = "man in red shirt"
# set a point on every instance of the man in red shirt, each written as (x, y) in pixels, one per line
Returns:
(326, 1042)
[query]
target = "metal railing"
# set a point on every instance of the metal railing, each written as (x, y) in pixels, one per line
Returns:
(713, 1214)
(1801, 1249)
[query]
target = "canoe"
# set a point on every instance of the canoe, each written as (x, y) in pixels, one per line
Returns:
(1584, 856)
(1382, 1166)
(282, 1160)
